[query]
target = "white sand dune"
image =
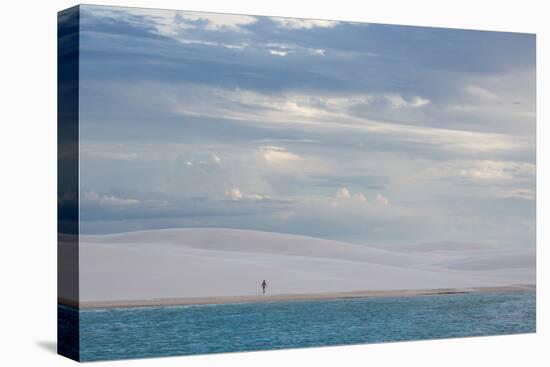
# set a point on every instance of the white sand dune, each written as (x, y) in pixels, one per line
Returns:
(179, 263)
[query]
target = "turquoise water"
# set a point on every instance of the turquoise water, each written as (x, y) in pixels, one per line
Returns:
(181, 330)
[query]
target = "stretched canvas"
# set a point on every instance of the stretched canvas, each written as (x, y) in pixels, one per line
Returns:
(242, 183)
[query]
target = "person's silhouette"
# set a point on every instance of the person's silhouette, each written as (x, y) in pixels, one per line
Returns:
(264, 285)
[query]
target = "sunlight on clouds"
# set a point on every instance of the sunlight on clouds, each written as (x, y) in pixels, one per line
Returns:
(215, 158)
(233, 194)
(360, 197)
(448, 139)
(480, 93)
(278, 155)
(287, 106)
(279, 52)
(419, 102)
(319, 112)
(495, 170)
(511, 193)
(230, 46)
(173, 24)
(283, 49)
(483, 170)
(343, 193)
(398, 101)
(318, 51)
(219, 21)
(381, 199)
(297, 23)
(490, 178)
(284, 124)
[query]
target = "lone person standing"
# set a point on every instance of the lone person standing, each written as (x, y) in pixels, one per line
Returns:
(264, 285)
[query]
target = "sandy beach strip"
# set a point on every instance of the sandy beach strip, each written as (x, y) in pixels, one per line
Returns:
(290, 297)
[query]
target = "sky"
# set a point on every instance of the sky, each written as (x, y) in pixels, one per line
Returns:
(359, 132)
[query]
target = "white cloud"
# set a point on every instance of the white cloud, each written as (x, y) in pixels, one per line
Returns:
(108, 200)
(484, 170)
(219, 21)
(279, 52)
(240, 46)
(278, 155)
(297, 23)
(306, 107)
(283, 49)
(215, 158)
(318, 51)
(512, 193)
(187, 41)
(360, 197)
(287, 107)
(398, 101)
(480, 93)
(381, 199)
(174, 24)
(417, 101)
(485, 173)
(343, 193)
(449, 139)
(234, 194)
(322, 112)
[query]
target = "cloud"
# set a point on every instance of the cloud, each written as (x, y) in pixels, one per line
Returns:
(230, 127)
(343, 193)
(314, 114)
(511, 193)
(234, 194)
(230, 46)
(285, 106)
(215, 158)
(417, 101)
(318, 51)
(279, 52)
(204, 28)
(298, 23)
(173, 24)
(479, 93)
(360, 197)
(381, 199)
(495, 170)
(220, 21)
(108, 200)
(398, 101)
(330, 111)
(483, 170)
(278, 156)
(279, 49)
(450, 139)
